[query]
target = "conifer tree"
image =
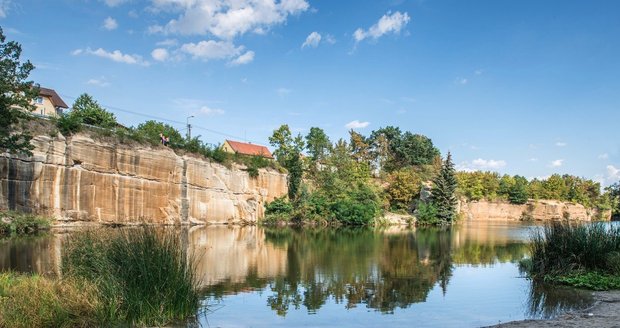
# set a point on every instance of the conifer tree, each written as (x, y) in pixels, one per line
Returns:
(443, 193)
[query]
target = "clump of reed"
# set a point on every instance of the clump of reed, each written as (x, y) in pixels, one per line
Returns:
(561, 248)
(144, 276)
(36, 301)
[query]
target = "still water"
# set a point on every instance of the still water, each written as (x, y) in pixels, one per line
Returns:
(465, 276)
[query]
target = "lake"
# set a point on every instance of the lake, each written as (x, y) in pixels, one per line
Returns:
(463, 276)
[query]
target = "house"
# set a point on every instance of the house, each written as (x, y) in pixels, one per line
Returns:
(48, 103)
(248, 149)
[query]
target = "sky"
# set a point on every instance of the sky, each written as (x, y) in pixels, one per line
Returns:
(518, 87)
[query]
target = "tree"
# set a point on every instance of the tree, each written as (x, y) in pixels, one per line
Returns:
(150, 131)
(404, 186)
(443, 193)
(614, 194)
(90, 112)
(288, 153)
(16, 98)
(317, 144)
(282, 141)
(518, 191)
(360, 147)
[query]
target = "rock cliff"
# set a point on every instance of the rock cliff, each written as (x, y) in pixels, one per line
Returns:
(533, 210)
(80, 180)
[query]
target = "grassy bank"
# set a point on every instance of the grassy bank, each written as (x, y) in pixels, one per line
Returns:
(136, 277)
(586, 256)
(17, 223)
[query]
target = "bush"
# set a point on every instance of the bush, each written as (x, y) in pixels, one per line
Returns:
(22, 223)
(427, 214)
(68, 124)
(143, 277)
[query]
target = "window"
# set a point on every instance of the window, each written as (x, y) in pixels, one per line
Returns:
(38, 100)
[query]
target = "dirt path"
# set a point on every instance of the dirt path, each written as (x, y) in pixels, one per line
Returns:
(604, 313)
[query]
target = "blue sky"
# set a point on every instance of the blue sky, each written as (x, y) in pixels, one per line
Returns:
(519, 87)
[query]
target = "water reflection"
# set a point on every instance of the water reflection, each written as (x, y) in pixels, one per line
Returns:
(326, 272)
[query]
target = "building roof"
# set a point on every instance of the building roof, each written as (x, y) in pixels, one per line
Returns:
(249, 149)
(56, 100)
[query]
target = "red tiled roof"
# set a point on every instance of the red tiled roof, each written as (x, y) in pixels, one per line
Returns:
(56, 100)
(249, 149)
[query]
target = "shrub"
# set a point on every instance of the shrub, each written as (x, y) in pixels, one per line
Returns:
(22, 223)
(427, 214)
(144, 277)
(68, 124)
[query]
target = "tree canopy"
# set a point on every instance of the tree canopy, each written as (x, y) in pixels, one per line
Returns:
(88, 110)
(16, 97)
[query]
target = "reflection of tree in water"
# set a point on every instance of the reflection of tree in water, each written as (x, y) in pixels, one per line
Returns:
(476, 253)
(545, 301)
(359, 266)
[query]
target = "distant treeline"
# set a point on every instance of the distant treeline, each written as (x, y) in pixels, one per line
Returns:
(517, 189)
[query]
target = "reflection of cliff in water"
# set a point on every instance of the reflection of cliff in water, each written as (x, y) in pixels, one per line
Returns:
(39, 254)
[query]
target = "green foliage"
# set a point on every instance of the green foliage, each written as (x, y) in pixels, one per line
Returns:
(517, 193)
(295, 174)
(427, 214)
(254, 163)
(16, 95)
(88, 110)
(588, 280)
(16, 223)
(143, 277)
(394, 149)
(279, 206)
(444, 192)
(613, 198)
(317, 144)
(403, 187)
(150, 131)
(68, 124)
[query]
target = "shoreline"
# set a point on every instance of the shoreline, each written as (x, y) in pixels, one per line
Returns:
(604, 313)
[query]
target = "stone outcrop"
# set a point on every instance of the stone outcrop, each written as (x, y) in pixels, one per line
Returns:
(82, 180)
(539, 210)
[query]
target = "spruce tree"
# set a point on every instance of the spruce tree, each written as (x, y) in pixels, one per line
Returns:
(443, 193)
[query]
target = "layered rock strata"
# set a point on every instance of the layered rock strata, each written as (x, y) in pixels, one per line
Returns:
(80, 180)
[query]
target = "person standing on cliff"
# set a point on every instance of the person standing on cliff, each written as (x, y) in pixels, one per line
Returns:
(164, 140)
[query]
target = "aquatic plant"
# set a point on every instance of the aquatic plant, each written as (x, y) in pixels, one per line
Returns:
(144, 276)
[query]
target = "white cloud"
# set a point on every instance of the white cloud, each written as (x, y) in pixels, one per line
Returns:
(211, 111)
(283, 92)
(603, 156)
(114, 3)
(115, 55)
(356, 125)
(556, 163)
(312, 40)
(478, 72)
(246, 58)
(167, 43)
(330, 39)
(100, 82)
(160, 54)
(481, 165)
(487, 164)
(561, 144)
(110, 24)
(613, 173)
(389, 23)
(225, 19)
(4, 7)
(533, 159)
(461, 80)
(212, 50)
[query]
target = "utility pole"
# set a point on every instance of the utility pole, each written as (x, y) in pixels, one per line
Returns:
(189, 128)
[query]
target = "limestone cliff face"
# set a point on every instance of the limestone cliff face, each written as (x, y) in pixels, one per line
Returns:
(81, 180)
(533, 210)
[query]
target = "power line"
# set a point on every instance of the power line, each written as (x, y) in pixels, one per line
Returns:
(168, 120)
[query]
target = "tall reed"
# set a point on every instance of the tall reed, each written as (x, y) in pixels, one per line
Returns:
(144, 276)
(561, 248)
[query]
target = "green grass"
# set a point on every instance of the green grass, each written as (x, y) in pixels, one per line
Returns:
(585, 256)
(144, 277)
(36, 301)
(17, 223)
